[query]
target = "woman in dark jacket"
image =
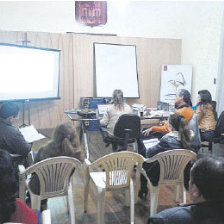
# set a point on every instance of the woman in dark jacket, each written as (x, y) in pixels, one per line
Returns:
(179, 137)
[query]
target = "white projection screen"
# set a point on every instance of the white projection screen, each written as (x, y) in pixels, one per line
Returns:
(116, 68)
(28, 73)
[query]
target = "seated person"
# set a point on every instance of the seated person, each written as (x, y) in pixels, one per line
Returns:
(115, 110)
(179, 137)
(206, 115)
(64, 143)
(12, 209)
(207, 193)
(183, 106)
(11, 138)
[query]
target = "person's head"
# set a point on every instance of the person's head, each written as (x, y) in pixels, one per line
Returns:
(64, 130)
(183, 97)
(8, 186)
(178, 123)
(204, 97)
(9, 111)
(118, 98)
(207, 179)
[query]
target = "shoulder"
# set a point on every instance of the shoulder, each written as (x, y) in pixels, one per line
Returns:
(127, 107)
(43, 153)
(209, 107)
(174, 215)
(187, 112)
(23, 213)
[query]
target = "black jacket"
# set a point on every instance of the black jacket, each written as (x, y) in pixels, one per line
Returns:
(12, 140)
(167, 142)
(201, 213)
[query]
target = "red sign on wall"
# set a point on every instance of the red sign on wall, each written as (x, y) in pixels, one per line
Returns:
(91, 13)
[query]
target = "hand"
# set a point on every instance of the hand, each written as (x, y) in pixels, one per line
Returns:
(66, 142)
(147, 131)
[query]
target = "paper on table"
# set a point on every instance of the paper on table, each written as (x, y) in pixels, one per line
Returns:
(150, 142)
(31, 134)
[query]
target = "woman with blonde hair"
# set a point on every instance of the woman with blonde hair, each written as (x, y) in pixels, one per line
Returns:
(117, 107)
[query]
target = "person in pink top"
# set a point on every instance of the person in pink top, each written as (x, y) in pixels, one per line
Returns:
(12, 209)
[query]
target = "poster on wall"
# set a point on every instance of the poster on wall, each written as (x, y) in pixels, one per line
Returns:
(173, 78)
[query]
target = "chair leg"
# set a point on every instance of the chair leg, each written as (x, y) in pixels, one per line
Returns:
(184, 195)
(154, 193)
(127, 197)
(132, 207)
(71, 204)
(86, 188)
(135, 147)
(177, 193)
(100, 205)
(35, 201)
(137, 181)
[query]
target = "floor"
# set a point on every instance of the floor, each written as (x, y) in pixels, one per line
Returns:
(115, 211)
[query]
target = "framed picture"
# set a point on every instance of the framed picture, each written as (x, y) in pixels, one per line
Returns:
(91, 13)
(173, 78)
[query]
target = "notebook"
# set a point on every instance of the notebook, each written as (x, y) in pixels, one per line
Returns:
(151, 142)
(102, 109)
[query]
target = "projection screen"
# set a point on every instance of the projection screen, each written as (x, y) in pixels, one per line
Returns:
(28, 73)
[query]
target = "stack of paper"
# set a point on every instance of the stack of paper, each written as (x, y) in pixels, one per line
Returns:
(31, 134)
(151, 142)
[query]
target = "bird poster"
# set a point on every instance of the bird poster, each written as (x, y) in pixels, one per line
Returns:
(173, 78)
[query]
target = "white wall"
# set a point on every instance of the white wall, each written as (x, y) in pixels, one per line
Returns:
(198, 24)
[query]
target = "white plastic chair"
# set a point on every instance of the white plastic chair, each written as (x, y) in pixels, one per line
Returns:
(172, 164)
(115, 174)
(55, 180)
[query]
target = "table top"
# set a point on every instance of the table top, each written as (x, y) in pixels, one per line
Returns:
(73, 115)
(76, 117)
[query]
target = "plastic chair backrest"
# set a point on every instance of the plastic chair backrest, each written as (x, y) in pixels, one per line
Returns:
(54, 174)
(172, 164)
(193, 125)
(219, 125)
(118, 167)
(127, 121)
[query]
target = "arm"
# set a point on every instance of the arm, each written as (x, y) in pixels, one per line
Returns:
(17, 144)
(69, 150)
(160, 147)
(163, 128)
(105, 120)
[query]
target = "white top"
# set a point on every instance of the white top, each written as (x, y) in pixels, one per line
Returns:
(112, 114)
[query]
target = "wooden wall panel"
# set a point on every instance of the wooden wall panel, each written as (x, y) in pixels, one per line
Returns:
(77, 69)
(151, 54)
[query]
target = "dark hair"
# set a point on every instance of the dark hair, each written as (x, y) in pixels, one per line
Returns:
(65, 131)
(206, 99)
(9, 109)
(208, 175)
(8, 186)
(179, 123)
(186, 96)
(118, 99)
